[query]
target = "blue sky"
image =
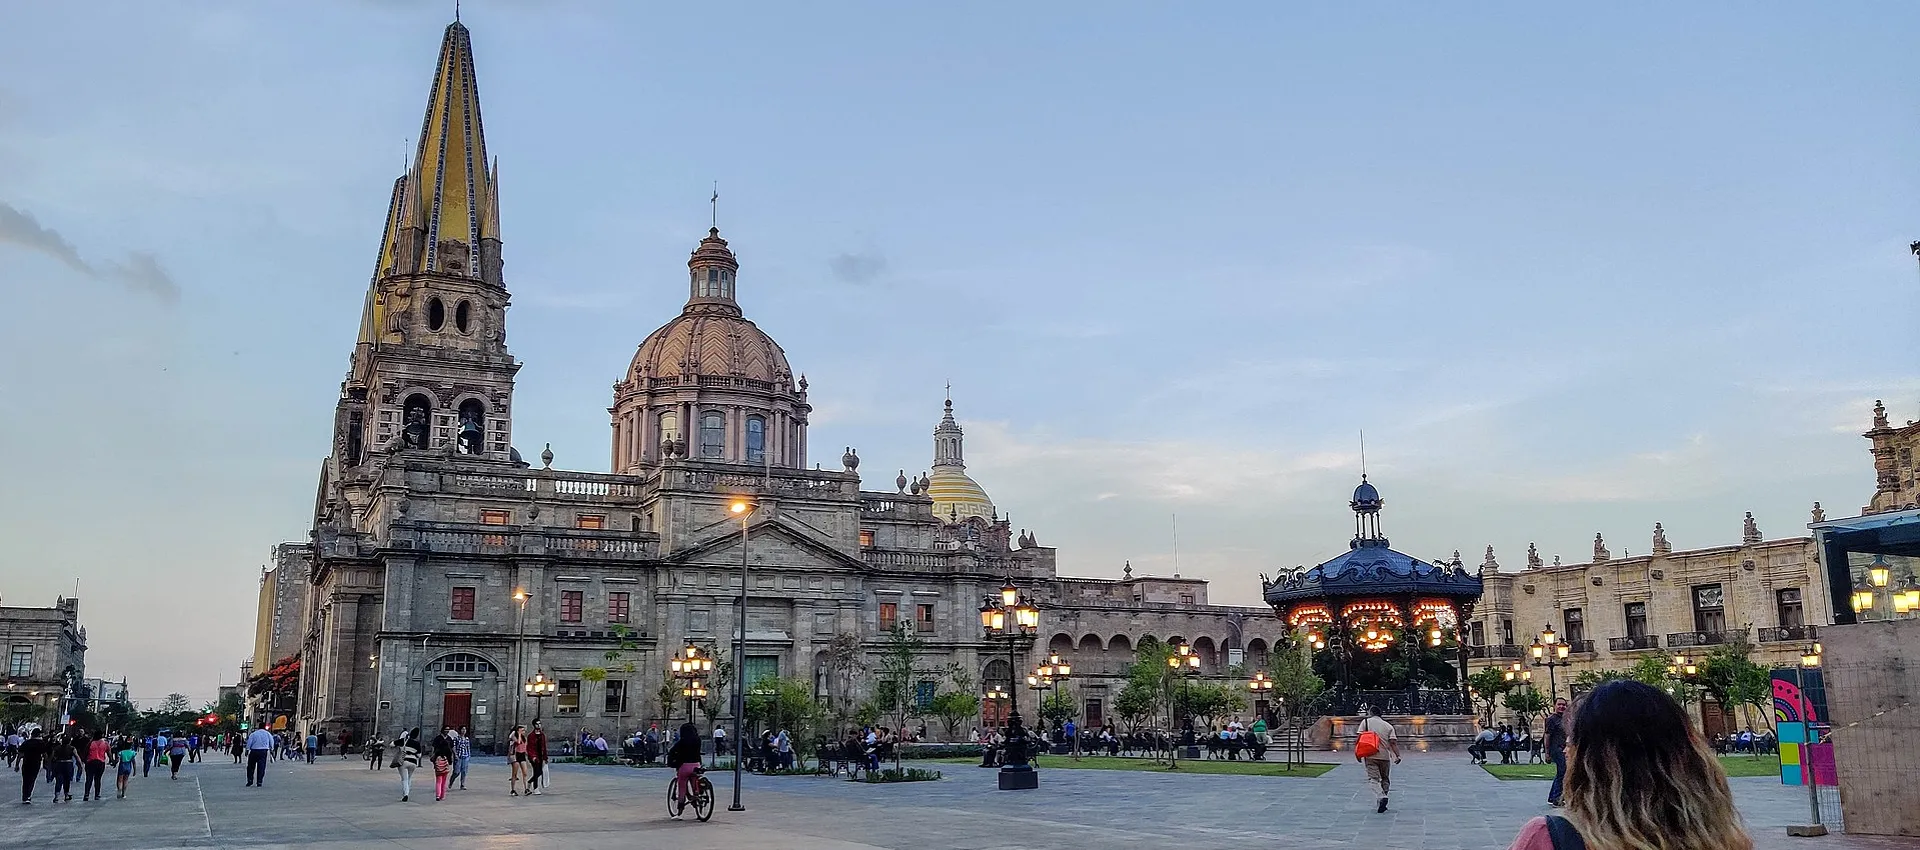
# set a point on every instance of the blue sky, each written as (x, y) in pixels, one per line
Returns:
(1571, 273)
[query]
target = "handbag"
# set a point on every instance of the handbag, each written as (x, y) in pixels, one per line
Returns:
(1564, 836)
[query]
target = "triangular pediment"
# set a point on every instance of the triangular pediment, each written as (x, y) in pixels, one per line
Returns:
(770, 543)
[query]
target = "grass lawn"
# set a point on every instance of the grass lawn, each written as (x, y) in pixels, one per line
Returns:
(1733, 765)
(1236, 768)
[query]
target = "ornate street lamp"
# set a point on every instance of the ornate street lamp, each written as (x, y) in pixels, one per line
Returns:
(1550, 652)
(1879, 572)
(540, 687)
(1518, 673)
(1013, 618)
(691, 667)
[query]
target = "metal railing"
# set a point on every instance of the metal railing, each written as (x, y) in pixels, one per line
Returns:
(1679, 640)
(1629, 644)
(1782, 634)
(1497, 650)
(1580, 646)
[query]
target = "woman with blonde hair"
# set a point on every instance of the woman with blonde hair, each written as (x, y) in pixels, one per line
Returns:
(1638, 778)
(517, 760)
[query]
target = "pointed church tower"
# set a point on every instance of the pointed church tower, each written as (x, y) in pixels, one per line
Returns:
(431, 370)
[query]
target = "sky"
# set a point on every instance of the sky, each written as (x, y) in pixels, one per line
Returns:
(1570, 270)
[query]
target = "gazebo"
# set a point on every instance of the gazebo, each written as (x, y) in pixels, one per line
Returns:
(1375, 601)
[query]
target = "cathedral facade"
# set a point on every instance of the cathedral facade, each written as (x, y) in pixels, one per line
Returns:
(444, 570)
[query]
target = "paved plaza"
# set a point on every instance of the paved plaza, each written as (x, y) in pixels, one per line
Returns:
(1440, 802)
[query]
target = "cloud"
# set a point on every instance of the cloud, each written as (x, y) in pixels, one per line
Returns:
(20, 228)
(140, 271)
(859, 268)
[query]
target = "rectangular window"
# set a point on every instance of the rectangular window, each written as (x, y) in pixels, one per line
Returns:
(1636, 619)
(1506, 632)
(923, 619)
(761, 667)
(462, 608)
(756, 439)
(1709, 608)
(495, 517)
(571, 603)
(866, 537)
(889, 616)
(568, 700)
(1477, 634)
(1186, 599)
(713, 434)
(1576, 625)
(616, 696)
(923, 694)
(1787, 608)
(592, 521)
(20, 663)
(617, 606)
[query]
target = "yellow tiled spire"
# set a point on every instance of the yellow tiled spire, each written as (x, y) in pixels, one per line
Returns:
(451, 208)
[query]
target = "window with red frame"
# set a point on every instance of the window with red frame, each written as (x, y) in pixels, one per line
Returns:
(571, 604)
(617, 602)
(462, 606)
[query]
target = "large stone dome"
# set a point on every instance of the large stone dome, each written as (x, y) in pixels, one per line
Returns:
(698, 342)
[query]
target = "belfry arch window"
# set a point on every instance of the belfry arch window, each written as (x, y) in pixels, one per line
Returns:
(756, 439)
(413, 427)
(713, 434)
(472, 437)
(436, 314)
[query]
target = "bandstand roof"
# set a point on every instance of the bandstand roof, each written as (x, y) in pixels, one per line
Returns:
(1371, 568)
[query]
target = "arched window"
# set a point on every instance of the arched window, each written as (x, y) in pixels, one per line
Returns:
(472, 439)
(713, 434)
(463, 662)
(436, 314)
(669, 430)
(414, 424)
(756, 439)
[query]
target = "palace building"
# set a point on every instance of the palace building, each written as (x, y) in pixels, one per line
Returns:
(443, 570)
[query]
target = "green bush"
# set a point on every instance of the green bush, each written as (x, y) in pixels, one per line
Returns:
(911, 774)
(939, 751)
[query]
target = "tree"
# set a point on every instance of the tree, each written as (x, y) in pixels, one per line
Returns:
(901, 672)
(782, 703)
(1525, 702)
(844, 663)
(1057, 707)
(175, 703)
(1208, 702)
(13, 714)
(1731, 678)
(954, 708)
(1487, 686)
(1587, 680)
(1294, 682)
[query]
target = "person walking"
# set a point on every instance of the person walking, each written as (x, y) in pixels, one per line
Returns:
(462, 753)
(63, 756)
(96, 768)
(537, 756)
(406, 758)
(516, 759)
(1638, 776)
(259, 748)
(147, 750)
(176, 753)
(124, 757)
(32, 751)
(1557, 749)
(442, 763)
(1374, 753)
(313, 747)
(376, 750)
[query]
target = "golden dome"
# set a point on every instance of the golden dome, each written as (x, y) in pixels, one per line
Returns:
(716, 344)
(956, 495)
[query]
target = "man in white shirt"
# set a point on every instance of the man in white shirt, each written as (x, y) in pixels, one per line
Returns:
(1378, 768)
(259, 744)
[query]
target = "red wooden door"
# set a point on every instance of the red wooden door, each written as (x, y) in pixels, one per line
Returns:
(456, 709)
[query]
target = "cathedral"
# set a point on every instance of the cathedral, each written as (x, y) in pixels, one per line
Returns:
(443, 570)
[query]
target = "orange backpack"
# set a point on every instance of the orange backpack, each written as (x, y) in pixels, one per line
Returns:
(1367, 745)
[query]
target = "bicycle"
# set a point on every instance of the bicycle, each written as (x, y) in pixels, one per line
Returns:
(702, 801)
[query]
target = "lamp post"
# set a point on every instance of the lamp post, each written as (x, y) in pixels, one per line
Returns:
(690, 667)
(1550, 651)
(1041, 683)
(1184, 661)
(1063, 671)
(519, 645)
(1013, 618)
(1809, 661)
(540, 687)
(1262, 686)
(744, 510)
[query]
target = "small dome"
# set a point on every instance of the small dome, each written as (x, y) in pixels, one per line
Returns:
(1366, 497)
(956, 495)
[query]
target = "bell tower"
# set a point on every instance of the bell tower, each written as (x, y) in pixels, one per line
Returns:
(431, 370)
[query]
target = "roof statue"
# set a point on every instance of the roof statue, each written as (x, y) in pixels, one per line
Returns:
(900, 482)
(1490, 565)
(1879, 415)
(1751, 532)
(1533, 557)
(1819, 513)
(1660, 544)
(1600, 552)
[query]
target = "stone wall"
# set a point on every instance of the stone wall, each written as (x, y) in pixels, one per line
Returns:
(1872, 675)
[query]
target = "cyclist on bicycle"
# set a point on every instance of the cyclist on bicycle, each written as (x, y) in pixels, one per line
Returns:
(684, 758)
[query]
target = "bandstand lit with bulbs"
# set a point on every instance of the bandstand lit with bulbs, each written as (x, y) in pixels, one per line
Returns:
(1371, 603)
